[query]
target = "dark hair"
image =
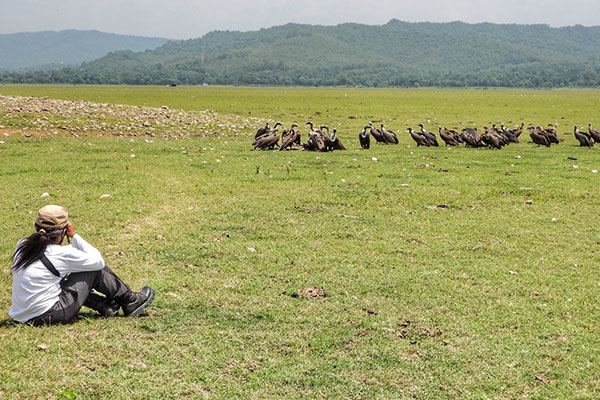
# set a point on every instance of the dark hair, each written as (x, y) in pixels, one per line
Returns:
(32, 248)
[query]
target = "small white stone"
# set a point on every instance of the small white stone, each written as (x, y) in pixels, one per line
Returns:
(218, 160)
(554, 220)
(374, 158)
(594, 171)
(518, 157)
(45, 194)
(2, 142)
(512, 272)
(131, 140)
(251, 249)
(343, 180)
(132, 156)
(404, 185)
(105, 196)
(575, 166)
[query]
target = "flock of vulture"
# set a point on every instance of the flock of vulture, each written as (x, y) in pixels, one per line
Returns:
(495, 138)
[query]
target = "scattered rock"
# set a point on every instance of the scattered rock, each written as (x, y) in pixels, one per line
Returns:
(105, 196)
(51, 115)
(529, 202)
(370, 311)
(42, 346)
(45, 194)
(251, 249)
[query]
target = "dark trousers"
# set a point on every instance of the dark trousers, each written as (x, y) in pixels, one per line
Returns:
(77, 292)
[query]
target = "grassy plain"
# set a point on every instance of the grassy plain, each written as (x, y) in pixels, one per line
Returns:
(491, 297)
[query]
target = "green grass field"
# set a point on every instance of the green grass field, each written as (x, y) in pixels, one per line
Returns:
(496, 296)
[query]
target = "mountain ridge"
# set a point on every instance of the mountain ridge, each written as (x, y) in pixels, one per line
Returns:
(69, 47)
(397, 53)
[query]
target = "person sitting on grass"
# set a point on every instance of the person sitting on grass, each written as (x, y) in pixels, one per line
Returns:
(52, 282)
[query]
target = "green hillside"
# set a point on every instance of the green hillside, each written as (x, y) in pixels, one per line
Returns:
(395, 54)
(69, 47)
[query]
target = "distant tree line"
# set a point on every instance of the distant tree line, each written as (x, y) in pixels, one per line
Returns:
(531, 76)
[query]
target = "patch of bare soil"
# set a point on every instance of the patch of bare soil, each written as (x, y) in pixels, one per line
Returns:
(312, 293)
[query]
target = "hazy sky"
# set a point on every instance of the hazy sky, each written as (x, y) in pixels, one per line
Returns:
(183, 19)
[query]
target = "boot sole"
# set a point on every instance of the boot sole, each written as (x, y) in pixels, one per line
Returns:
(138, 311)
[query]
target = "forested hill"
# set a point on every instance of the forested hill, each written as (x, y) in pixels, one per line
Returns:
(70, 47)
(395, 54)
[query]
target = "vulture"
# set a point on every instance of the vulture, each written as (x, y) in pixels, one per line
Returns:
(262, 131)
(504, 140)
(430, 136)
(457, 136)
(510, 134)
(388, 136)
(490, 139)
(290, 137)
(594, 133)
(550, 133)
(519, 130)
(538, 137)
(418, 138)
(268, 140)
(333, 142)
(315, 141)
(585, 139)
(471, 137)
(447, 137)
(376, 133)
(365, 138)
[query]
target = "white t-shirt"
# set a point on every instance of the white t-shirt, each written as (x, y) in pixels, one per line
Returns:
(35, 289)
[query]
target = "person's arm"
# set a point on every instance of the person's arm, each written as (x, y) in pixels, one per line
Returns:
(82, 256)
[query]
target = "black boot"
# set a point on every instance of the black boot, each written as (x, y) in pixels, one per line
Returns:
(106, 308)
(136, 302)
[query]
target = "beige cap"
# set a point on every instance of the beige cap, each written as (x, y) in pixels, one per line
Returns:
(53, 217)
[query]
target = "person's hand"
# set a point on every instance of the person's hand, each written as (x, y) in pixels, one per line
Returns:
(70, 229)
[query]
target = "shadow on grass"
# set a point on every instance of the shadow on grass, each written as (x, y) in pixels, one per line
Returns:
(8, 323)
(79, 318)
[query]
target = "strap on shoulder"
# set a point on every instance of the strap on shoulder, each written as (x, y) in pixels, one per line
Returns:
(49, 265)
